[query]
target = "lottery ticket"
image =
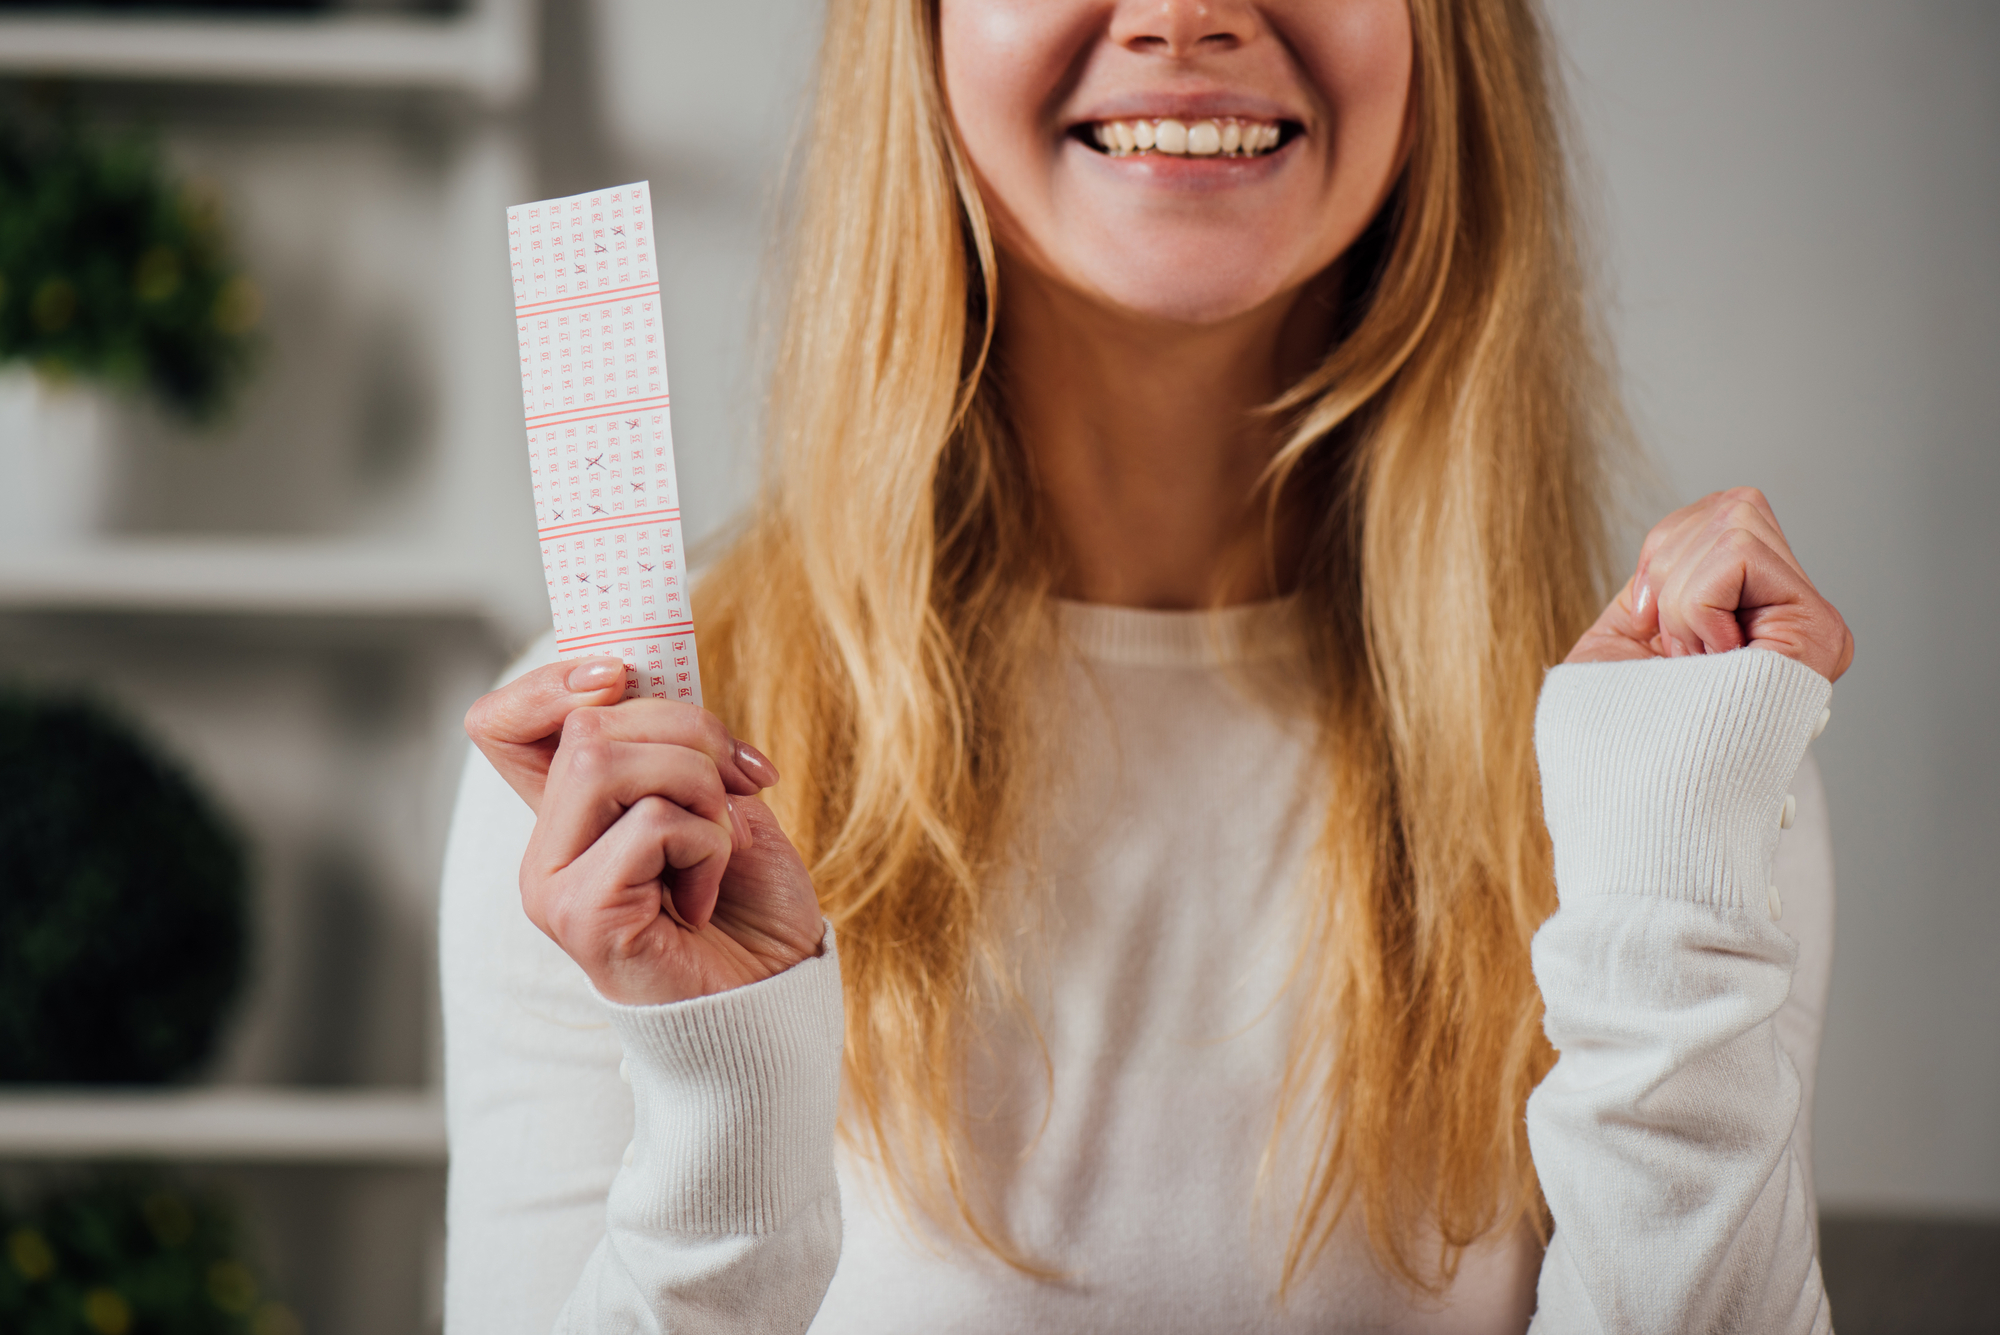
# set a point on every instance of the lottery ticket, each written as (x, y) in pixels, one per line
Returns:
(600, 442)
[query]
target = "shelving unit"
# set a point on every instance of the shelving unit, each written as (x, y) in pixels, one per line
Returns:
(345, 577)
(486, 52)
(226, 1125)
(301, 611)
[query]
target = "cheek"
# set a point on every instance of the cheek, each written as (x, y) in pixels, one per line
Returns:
(1362, 53)
(975, 84)
(1005, 66)
(1000, 61)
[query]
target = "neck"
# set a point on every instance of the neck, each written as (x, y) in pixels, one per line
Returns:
(1146, 445)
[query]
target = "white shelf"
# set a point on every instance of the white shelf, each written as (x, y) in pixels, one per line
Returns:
(224, 1125)
(484, 52)
(247, 576)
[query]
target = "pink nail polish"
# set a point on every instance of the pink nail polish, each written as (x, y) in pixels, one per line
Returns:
(760, 770)
(597, 675)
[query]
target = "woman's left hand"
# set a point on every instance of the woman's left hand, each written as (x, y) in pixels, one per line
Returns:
(1719, 575)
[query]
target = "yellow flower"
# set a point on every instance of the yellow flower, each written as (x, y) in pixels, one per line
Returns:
(158, 275)
(167, 1215)
(54, 305)
(275, 1319)
(31, 1254)
(231, 1287)
(107, 1313)
(238, 306)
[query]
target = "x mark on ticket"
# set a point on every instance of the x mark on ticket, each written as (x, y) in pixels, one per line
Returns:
(600, 443)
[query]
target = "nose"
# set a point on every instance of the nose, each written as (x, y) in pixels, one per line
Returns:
(1180, 28)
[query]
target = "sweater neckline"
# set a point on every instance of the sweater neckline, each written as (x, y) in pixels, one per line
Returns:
(1219, 637)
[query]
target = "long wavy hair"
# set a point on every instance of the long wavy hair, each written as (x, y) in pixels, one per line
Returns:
(875, 623)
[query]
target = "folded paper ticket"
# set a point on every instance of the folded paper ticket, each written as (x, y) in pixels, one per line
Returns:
(600, 446)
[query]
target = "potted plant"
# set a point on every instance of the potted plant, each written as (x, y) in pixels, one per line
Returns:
(124, 902)
(114, 277)
(127, 1252)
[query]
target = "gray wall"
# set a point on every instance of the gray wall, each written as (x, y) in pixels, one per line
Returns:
(699, 99)
(1803, 208)
(1802, 224)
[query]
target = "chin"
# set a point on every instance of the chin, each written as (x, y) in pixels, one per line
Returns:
(1189, 291)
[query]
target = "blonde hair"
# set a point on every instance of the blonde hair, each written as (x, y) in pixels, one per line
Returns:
(872, 627)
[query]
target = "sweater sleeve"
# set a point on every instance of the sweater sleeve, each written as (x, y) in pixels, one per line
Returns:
(725, 1216)
(700, 1199)
(1671, 1137)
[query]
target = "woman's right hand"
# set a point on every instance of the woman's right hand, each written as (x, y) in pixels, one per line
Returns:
(653, 864)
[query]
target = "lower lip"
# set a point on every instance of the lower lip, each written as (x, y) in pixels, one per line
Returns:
(1174, 171)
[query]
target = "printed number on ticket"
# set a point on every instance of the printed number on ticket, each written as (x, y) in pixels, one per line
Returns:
(600, 446)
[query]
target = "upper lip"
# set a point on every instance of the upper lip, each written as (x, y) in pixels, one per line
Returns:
(1185, 107)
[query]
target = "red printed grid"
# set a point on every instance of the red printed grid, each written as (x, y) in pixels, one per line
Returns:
(600, 443)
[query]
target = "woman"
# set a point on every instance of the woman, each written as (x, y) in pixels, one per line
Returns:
(1190, 457)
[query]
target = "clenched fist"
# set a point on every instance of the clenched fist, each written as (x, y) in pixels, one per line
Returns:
(1719, 575)
(653, 864)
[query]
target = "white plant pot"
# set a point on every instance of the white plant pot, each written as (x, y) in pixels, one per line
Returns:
(56, 470)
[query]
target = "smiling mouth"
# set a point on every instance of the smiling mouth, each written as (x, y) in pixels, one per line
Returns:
(1213, 137)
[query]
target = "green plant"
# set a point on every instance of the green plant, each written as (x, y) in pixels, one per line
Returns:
(123, 902)
(113, 270)
(130, 1253)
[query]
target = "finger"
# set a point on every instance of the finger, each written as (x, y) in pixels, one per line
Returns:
(768, 904)
(1810, 630)
(1707, 605)
(656, 858)
(692, 853)
(614, 884)
(1669, 580)
(1688, 534)
(593, 782)
(1663, 549)
(1748, 508)
(744, 769)
(517, 726)
(1635, 610)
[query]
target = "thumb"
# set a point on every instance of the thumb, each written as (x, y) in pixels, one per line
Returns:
(518, 726)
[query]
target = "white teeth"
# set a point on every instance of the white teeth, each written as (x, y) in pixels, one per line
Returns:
(1203, 138)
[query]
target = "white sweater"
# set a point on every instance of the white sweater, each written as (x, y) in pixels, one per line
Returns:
(1671, 1138)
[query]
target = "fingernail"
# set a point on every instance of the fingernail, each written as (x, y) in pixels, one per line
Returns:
(739, 825)
(762, 771)
(597, 675)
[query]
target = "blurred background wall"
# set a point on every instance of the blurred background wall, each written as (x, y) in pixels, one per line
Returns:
(1801, 238)
(1803, 243)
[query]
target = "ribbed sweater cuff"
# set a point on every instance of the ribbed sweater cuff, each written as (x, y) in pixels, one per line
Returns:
(1666, 777)
(734, 1099)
